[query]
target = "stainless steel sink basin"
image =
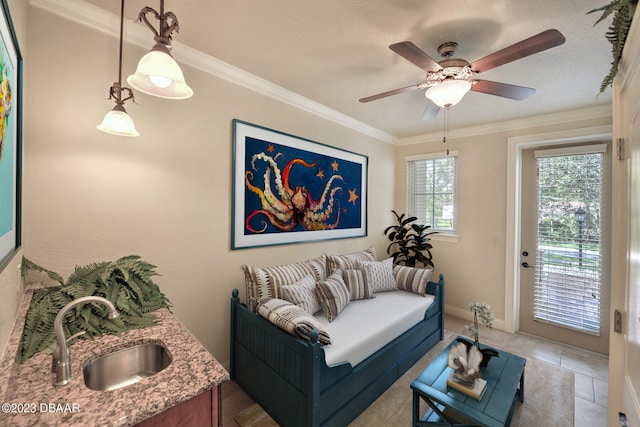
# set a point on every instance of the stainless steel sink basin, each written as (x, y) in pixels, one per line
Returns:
(124, 367)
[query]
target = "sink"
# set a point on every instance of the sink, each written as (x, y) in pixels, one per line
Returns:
(125, 367)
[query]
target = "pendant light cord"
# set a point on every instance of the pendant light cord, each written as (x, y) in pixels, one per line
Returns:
(117, 89)
(121, 33)
(445, 138)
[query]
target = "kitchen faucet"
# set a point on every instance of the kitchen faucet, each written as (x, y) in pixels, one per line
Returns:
(61, 360)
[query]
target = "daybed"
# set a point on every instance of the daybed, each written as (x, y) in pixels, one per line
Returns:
(289, 376)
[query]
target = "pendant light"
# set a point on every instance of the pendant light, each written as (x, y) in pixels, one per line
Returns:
(117, 121)
(158, 74)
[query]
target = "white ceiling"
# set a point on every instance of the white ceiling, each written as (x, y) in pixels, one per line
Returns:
(336, 51)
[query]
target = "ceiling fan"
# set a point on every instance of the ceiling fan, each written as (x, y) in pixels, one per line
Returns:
(450, 79)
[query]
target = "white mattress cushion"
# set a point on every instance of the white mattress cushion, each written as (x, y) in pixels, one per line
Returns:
(365, 326)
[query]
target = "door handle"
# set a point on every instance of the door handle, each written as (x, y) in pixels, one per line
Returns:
(526, 265)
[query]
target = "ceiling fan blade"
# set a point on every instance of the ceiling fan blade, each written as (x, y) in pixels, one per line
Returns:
(413, 53)
(431, 111)
(543, 41)
(392, 92)
(502, 89)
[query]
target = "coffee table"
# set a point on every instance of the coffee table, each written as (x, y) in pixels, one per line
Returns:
(449, 407)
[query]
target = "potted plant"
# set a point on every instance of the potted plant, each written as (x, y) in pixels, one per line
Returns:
(483, 311)
(409, 242)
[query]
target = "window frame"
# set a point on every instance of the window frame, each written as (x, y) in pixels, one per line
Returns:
(443, 234)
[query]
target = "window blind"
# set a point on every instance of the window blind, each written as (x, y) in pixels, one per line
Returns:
(431, 184)
(568, 275)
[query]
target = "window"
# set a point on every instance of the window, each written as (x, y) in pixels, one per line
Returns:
(431, 189)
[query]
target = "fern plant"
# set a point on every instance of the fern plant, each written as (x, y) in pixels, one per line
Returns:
(125, 282)
(617, 33)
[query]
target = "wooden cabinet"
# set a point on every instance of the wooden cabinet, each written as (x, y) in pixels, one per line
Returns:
(201, 410)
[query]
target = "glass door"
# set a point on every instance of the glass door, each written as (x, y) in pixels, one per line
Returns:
(564, 291)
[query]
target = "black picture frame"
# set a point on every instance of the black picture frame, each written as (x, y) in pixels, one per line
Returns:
(10, 138)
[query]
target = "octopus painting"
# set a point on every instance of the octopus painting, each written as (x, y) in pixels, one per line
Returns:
(5, 105)
(287, 205)
(288, 189)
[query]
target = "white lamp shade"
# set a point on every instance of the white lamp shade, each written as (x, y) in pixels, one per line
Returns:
(158, 74)
(119, 123)
(448, 93)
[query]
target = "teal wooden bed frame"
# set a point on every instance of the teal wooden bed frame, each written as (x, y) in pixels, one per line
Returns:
(290, 379)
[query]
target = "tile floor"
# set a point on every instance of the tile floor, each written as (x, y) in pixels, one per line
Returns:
(590, 369)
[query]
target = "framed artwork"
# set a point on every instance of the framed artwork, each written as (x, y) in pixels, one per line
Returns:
(288, 189)
(10, 138)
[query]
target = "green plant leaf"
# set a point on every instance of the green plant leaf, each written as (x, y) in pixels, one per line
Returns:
(27, 266)
(623, 11)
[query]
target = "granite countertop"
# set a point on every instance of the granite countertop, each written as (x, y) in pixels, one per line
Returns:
(193, 370)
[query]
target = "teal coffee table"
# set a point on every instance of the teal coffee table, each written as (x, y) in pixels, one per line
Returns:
(449, 407)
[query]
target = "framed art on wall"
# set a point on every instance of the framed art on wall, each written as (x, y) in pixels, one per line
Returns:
(288, 189)
(10, 138)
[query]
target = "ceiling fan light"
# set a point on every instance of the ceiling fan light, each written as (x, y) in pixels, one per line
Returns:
(448, 93)
(158, 74)
(118, 122)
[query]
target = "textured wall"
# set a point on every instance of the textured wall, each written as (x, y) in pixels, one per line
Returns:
(10, 283)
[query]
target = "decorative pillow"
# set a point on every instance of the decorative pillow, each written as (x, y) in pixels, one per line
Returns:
(267, 282)
(412, 279)
(303, 294)
(357, 285)
(333, 294)
(349, 261)
(379, 275)
(292, 319)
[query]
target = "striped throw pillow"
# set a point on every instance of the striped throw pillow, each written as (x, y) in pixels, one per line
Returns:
(292, 319)
(412, 279)
(349, 261)
(357, 284)
(379, 275)
(267, 282)
(303, 294)
(333, 294)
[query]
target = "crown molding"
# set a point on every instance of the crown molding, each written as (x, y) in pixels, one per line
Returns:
(590, 113)
(91, 16)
